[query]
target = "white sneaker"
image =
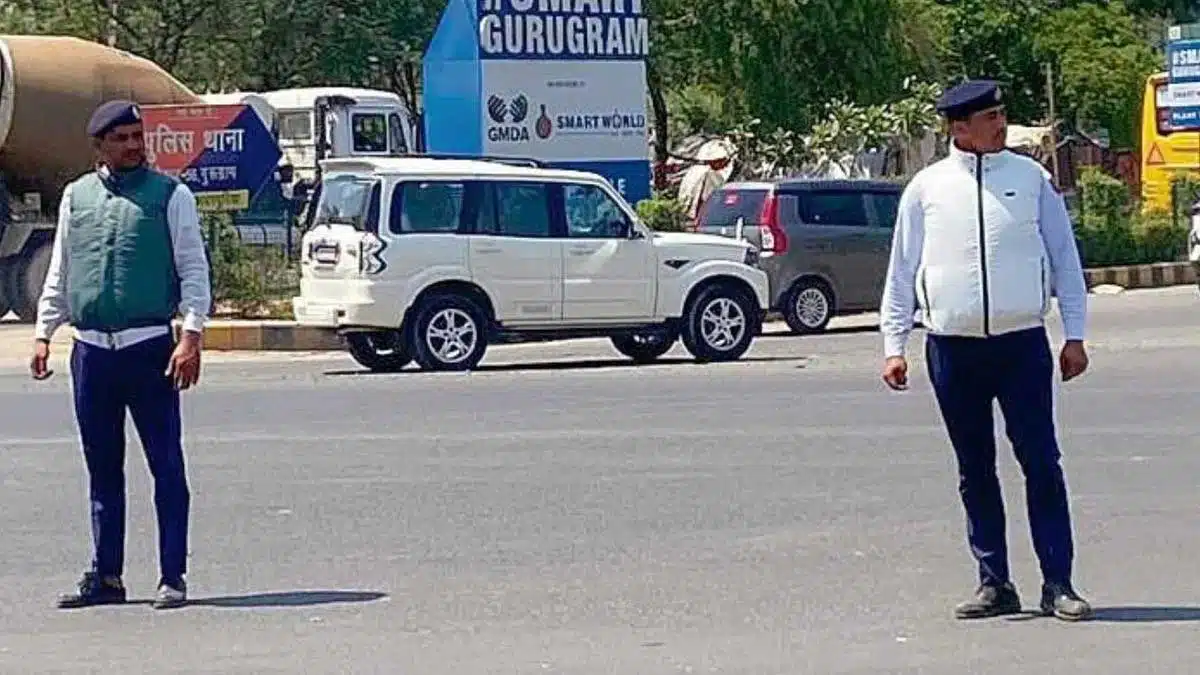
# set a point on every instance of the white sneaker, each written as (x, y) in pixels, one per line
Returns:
(169, 597)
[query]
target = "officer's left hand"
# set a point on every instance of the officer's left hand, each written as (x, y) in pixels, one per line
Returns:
(184, 368)
(1073, 360)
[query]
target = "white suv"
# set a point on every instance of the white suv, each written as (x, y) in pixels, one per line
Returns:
(431, 259)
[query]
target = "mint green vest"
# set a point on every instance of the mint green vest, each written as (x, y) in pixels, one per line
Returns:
(121, 269)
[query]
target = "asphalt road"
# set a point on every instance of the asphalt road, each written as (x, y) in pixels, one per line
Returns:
(561, 512)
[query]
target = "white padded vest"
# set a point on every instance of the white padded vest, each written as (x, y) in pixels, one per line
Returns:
(984, 267)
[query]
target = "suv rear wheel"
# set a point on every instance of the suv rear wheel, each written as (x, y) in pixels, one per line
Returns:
(646, 346)
(449, 332)
(808, 307)
(381, 351)
(719, 325)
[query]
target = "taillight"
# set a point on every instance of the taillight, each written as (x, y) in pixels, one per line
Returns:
(324, 252)
(771, 234)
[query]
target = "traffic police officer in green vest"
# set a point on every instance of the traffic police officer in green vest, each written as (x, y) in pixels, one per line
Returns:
(128, 257)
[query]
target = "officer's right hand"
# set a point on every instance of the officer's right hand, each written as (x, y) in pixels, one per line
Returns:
(895, 373)
(38, 364)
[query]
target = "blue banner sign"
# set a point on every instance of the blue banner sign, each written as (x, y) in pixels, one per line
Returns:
(561, 81)
(1183, 77)
(568, 30)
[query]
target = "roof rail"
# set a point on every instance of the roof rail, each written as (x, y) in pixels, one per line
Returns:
(519, 161)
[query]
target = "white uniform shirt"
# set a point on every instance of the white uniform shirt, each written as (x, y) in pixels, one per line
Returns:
(187, 242)
(980, 244)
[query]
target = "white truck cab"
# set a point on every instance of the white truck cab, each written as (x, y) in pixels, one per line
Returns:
(357, 123)
(432, 259)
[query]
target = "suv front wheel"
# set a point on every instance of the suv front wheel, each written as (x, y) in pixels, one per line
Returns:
(449, 333)
(718, 325)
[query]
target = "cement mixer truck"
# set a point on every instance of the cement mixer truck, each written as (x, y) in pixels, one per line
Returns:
(49, 86)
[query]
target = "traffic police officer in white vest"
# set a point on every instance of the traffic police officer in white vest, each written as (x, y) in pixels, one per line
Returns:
(128, 256)
(982, 240)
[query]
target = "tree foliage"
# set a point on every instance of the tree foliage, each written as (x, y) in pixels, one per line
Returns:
(714, 66)
(1102, 64)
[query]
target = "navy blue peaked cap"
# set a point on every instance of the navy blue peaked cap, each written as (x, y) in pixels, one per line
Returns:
(969, 97)
(113, 114)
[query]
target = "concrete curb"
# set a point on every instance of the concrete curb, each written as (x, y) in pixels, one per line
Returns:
(1157, 275)
(268, 336)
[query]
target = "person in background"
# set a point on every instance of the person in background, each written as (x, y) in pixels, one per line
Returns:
(981, 238)
(128, 256)
(704, 177)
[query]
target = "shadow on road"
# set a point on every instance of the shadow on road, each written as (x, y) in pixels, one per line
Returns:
(1146, 614)
(288, 599)
(587, 364)
(1132, 614)
(842, 330)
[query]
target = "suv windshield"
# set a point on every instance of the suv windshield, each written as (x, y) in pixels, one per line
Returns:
(345, 200)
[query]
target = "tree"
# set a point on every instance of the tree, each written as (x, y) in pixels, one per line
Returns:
(994, 39)
(1102, 64)
(1174, 11)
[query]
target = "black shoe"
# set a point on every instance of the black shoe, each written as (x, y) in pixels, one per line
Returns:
(1061, 601)
(990, 600)
(94, 590)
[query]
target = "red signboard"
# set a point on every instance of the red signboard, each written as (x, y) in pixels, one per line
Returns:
(223, 152)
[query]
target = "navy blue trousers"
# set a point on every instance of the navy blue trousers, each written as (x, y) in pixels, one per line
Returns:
(1017, 370)
(107, 383)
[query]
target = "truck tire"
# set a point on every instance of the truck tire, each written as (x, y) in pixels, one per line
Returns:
(718, 324)
(25, 281)
(381, 351)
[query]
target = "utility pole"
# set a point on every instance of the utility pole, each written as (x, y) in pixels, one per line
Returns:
(1053, 123)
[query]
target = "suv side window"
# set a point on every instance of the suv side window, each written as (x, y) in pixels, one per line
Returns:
(515, 209)
(426, 207)
(590, 213)
(834, 208)
(883, 208)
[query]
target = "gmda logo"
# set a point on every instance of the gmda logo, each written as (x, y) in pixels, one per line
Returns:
(508, 119)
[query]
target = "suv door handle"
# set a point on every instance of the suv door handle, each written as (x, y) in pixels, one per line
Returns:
(583, 250)
(484, 250)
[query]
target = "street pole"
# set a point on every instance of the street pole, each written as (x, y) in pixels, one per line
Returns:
(1053, 124)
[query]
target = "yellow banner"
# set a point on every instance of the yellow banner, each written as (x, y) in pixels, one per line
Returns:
(230, 200)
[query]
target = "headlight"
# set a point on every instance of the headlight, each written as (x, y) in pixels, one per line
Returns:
(751, 258)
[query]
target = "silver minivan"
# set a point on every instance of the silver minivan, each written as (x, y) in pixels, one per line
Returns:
(824, 243)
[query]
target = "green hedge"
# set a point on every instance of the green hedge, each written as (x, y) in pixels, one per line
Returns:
(663, 214)
(248, 281)
(1113, 229)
